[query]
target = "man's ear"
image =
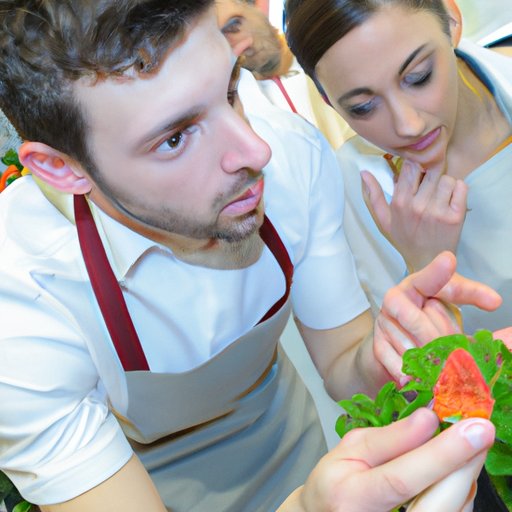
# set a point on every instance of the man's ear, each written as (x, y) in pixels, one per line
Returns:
(54, 168)
(455, 21)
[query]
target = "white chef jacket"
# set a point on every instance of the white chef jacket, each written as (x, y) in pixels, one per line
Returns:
(484, 245)
(58, 370)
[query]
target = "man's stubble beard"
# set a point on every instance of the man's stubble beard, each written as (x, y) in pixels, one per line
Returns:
(171, 222)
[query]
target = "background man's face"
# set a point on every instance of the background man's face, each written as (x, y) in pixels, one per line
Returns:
(250, 34)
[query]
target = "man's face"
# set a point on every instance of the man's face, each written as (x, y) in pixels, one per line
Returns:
(250, 34)
(173, 151)
(397, 88)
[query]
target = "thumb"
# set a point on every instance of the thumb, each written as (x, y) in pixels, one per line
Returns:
(376, 202)
(452, 492)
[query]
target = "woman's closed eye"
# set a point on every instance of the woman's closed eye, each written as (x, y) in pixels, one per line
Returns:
(361, 109)
(418, 79)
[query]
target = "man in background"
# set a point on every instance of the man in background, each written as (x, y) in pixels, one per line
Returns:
(280, 78)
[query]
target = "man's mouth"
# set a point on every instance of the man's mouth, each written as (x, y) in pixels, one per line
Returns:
(425, 141)
(247, 201)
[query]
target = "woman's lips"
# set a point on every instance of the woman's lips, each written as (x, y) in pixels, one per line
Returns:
(426, 141)
(246, 202)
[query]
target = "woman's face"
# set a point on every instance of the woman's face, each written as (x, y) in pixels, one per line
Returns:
(394, 80)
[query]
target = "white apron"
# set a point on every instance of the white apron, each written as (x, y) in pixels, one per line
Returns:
(236, 434)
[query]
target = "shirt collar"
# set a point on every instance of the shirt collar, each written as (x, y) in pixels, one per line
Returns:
(122, 245)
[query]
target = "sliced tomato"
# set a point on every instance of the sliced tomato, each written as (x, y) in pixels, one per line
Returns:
(461, 390)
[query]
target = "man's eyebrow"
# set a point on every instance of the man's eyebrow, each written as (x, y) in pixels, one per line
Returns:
(187, 117)
(179, 122)
(366, 90)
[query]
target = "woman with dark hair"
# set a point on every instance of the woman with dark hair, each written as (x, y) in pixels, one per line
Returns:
(433, 116)
(395, 71)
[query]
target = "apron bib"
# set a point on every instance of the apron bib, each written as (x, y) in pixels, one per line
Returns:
(237, 433)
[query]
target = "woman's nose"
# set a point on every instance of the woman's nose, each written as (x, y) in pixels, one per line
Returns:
(407, 120)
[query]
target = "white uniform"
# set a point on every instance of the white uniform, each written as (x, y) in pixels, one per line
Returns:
(484, 248)
(61, 380)
(299, 94)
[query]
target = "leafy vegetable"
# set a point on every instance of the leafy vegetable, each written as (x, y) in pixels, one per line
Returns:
(11, 496)
(11, 158)
(424, 365)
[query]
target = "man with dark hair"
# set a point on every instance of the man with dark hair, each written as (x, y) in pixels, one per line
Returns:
(250, 34)
(144, 283)
(280, 78)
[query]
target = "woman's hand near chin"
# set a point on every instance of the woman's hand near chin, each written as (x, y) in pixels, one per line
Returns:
(425, 216)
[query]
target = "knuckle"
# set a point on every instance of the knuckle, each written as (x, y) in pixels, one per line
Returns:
(393, 485)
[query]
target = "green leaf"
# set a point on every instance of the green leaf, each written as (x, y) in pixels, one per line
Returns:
(424, 365)
(345, 424)
(499, 459)
(389, 403)
(485, 350)
(23, 506)
(361, 407)
(11, 158)
(504, 489)
(6, 486)
(422, 399)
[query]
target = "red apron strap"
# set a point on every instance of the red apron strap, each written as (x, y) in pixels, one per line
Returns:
(107, 290)
(110, 297)
(273, 241)
(284, 92)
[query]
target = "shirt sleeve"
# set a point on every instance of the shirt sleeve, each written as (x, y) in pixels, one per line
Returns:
(58, 437)
(306, 203)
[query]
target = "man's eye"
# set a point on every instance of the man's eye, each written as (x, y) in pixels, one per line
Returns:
(172, 143)
(232, 26)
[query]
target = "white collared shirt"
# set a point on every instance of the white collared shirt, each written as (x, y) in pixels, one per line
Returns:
(58, 368)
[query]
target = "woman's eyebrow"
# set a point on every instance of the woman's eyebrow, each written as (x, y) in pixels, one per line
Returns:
(409, 59)
(366, 90)
(353, 92)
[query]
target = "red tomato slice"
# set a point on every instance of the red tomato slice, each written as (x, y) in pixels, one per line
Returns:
(461, 390)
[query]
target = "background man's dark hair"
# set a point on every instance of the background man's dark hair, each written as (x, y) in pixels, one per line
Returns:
(46, 46)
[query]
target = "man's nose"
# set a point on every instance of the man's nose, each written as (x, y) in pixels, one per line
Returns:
(242, 44)
(245, 149)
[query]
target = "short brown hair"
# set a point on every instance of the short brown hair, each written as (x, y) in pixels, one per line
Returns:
(45, 46)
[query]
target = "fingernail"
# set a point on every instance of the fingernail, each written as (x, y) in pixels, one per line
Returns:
(404, 379)
(475, 433)
(408, 344)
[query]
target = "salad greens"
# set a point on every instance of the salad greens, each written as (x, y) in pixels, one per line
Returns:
(424, 366)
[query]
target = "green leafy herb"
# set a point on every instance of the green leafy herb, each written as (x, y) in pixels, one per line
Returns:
(11, 158)
(10, 494)
(424, 365)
